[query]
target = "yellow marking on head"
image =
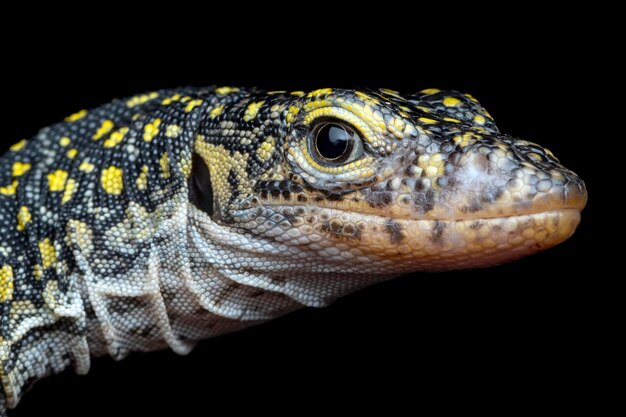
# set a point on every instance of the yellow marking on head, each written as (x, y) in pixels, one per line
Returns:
(23, 218)
(320, 92)
(48, 253)
(76, 116)
(65, 141)
(451, 119)
(192, 105)
(220, 162)
(86, 167)
(467, 138)
(18, 146)
(10, 189)
(20, 168)
(392, 93)
(252, 110)
(115, 138)
(142, 179)
(367, 98)
(427, 120)
(105, 128)
(6, 283)
(430, 91)
(170, 100)
(56, 180)
(451, 101)
(479, 120)
(164, 162)
(72, 153)
(112, 181)
(173, 131)
(226, 90)
(297, 93)
(151, 130)
(70, 188)
(292, 113)
(216, 111)
(266, 149)
(141, 99)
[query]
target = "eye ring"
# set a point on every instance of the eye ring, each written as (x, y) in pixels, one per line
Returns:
(335, 143)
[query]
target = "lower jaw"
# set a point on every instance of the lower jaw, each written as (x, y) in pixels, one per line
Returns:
(438, 245)
(382, 245)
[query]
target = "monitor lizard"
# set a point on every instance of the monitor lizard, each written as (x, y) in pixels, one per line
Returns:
(177, 215)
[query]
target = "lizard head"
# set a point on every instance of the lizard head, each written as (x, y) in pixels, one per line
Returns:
(379, 182)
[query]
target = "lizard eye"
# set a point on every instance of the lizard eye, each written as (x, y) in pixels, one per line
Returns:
(335, 144)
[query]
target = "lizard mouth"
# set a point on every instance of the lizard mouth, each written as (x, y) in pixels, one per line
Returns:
(394, 246)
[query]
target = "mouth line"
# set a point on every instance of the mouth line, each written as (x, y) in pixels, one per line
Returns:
(317, 209)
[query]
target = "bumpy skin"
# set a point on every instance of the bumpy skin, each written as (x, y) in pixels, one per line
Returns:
(183, 214)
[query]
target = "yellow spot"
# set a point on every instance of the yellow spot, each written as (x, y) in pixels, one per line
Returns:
(86, 167)
(70, 188)
(9, 189)
(48, 253)
(173, 131)
(23, 218)
(430, 91)
(142, 179)
(6, 283)
(276, 92)
(479, 120)
(292, 113)
(65, 141)
(467, 139)
(252, 110)
(105, 128)
(226, 90)
(56, 180)
(18, 146)
(111, 180)
(20, 168)
(37, 271)
(192, 105)
(451, 101)
(451, 119)
(144, 98)
(76, 116)
(297, 93)
(170, 100)
(165, 165)
(266, 149)
(321, 91)
(72, 153)
(151, 130)
(216, 111)
(471, 97)
(115, 138)
(185, 99)
(427, 120)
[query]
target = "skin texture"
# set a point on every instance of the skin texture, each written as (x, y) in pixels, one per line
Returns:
(178, 215)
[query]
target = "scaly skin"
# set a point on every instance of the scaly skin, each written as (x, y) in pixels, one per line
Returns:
(183, 214)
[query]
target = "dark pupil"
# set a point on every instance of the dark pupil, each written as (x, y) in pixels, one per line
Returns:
(332, 141)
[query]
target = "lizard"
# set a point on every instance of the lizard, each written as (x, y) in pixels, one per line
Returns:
(177, 215)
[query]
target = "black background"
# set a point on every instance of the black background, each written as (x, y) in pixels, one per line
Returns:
(514, 336)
